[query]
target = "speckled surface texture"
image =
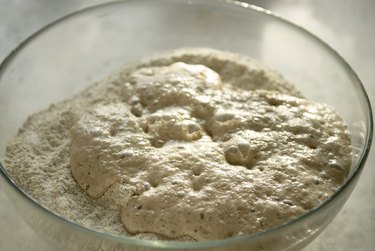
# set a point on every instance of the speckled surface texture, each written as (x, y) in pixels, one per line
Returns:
(346, 27)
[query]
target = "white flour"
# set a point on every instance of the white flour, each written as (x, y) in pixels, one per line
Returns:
(207, 140)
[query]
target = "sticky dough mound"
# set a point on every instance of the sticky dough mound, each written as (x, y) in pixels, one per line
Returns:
(219, 162)
(198, 143)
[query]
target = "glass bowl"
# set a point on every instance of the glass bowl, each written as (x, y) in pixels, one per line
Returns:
(70, 54)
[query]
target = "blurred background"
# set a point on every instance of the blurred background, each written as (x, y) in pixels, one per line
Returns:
(346, 25)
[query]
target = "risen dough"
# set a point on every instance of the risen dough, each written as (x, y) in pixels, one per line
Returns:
(197, 143)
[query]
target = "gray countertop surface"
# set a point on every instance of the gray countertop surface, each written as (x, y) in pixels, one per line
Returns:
(346, 25)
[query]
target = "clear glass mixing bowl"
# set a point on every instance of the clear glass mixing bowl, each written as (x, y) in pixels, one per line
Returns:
(70, 54)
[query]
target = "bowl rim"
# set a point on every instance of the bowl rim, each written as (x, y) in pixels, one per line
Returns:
(131, 241)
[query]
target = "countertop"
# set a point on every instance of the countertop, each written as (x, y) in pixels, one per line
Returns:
(348, 26)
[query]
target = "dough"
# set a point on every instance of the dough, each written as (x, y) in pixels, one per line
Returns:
(194, 143)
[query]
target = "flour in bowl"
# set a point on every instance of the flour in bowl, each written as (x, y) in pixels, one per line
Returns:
(193, 144)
